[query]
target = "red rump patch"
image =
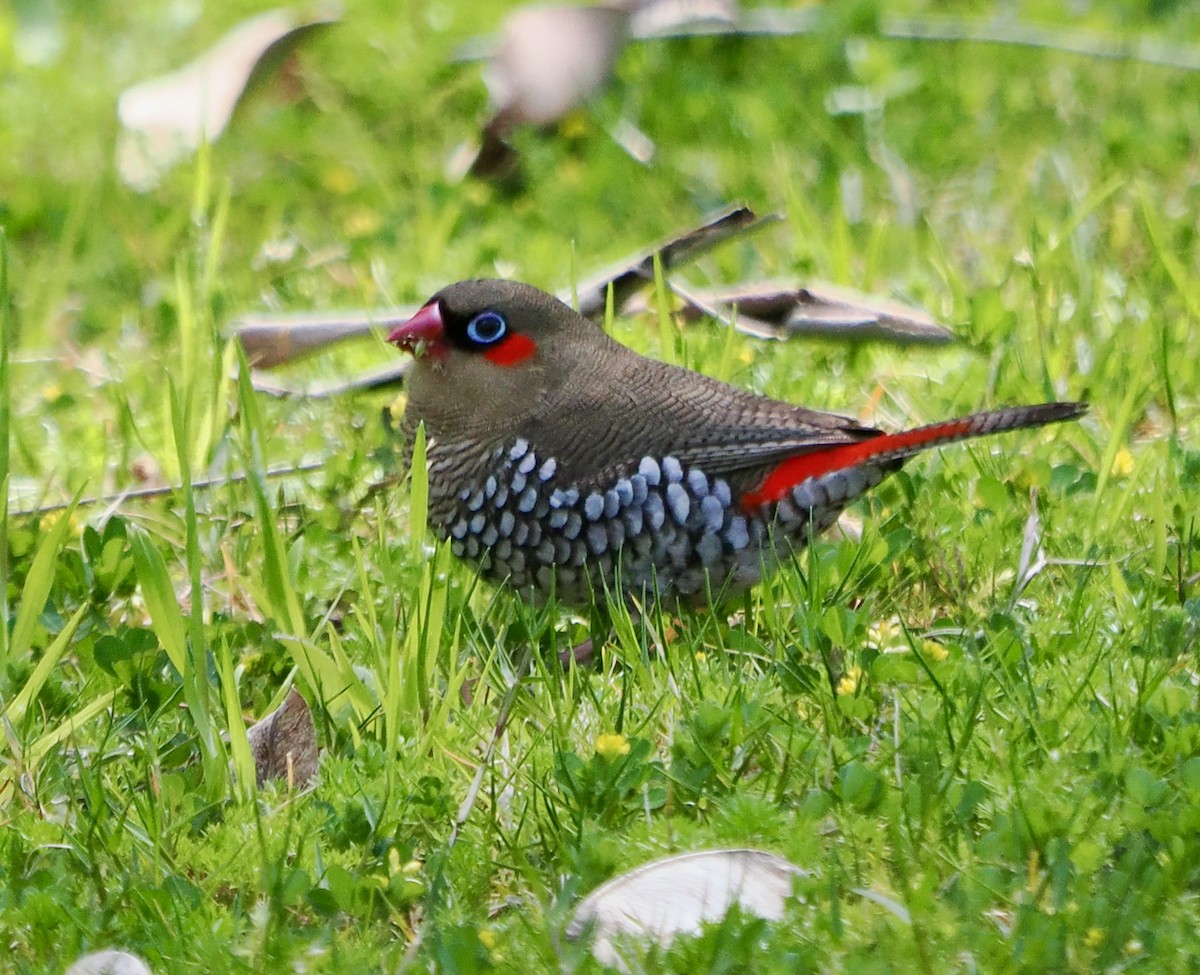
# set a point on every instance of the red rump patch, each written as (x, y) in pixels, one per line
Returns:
(796, 470)
(512, 351)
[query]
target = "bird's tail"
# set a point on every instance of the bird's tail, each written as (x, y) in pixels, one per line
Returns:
(888, 448)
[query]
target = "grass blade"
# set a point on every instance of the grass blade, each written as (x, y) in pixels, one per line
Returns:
(40, 748)
(196, 688)
(19, 705)
(278, 588)
(5, 422)
(331, 682)
(159, 594)
(37, 586)
(245, 776)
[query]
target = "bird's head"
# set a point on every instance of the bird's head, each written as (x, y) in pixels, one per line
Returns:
(489, 353)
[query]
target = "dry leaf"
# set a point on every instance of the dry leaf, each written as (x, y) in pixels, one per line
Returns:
(667, 18)
(547, 61)
(677, 895)
(823, 311)
(551, 59)
(274, 340)
(635, 273)
(109, 963)
(166, 119)
(381, 377)
(284, 743)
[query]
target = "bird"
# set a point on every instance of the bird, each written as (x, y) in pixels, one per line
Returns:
(565, 465)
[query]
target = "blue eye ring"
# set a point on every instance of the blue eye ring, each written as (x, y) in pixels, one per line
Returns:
(487, 328)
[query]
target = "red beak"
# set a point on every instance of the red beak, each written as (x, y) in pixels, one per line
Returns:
(425, 327)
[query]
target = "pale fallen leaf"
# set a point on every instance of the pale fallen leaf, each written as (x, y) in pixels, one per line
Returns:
(664, 18)
(167, 118)
(548, 60)
(109, 963)
(826, 311)
(637, 145)
(1032, 559)
(635, 273)
(690, 18)
(391, 373)
(677, 895)
(274, 340)
(661, 19)
(284, 743)
(551, 59)
(889, 904)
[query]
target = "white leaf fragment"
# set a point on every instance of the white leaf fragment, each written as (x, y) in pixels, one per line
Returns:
(109, 962)
(677, 895)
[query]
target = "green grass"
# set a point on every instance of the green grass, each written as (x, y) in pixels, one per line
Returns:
(1015, 761)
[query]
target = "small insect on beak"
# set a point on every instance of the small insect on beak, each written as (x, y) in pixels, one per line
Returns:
(423, 334)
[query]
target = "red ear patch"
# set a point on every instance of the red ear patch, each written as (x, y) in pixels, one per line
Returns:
(512, 351)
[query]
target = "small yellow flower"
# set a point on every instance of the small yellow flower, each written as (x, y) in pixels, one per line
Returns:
(52, 392)
(611, 747)
(51, 518)
(884, 634)
(849, 682)
(934, 650)
(701, 656)
(1122, 465)
(409, 869)
(362, 222)
(571, 172)
(1094, 937)
(339, 179)
(574, 126)
(489, 939)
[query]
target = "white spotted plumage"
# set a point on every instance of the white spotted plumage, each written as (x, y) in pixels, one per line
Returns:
(664, 527)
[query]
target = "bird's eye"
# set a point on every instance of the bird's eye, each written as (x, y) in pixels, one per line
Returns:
(487, 328)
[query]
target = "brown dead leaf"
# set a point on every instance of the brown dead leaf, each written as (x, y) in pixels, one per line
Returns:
(820, 311)
(284, 743)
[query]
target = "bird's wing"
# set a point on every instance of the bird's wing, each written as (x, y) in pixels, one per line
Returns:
(600, 431)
